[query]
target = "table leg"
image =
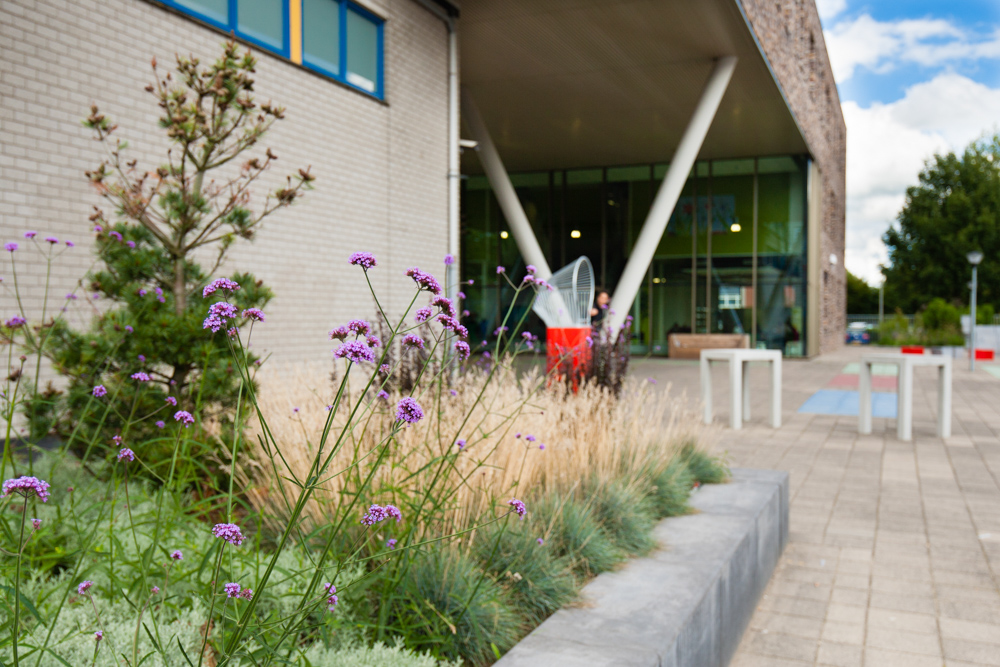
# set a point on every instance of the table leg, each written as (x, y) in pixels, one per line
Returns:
(706, 389)
(735, 394)
(865, 398)
(904, 410)
(944, 401)
(776, 393)
(746, 391)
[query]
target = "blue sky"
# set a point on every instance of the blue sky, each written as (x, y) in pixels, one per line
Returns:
(915, 78)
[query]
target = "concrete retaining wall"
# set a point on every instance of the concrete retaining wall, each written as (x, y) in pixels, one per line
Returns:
(687, 604)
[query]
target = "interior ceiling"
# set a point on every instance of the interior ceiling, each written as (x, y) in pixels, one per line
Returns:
(575, 83)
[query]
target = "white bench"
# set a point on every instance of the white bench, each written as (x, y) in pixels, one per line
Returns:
(739, 383)
(904, 410)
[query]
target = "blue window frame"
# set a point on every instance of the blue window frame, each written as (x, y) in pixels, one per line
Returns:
(263, 23)
(344, 41)
(340, 39)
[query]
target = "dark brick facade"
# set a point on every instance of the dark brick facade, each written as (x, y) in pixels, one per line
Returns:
(790, 33)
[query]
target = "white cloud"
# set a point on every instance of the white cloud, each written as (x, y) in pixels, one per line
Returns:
(828, 9)
(883, 45)
(887, 145)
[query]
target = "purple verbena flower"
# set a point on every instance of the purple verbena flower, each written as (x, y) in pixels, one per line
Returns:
(115, 235)
(130, 244)
(160, 423)
(232, 590)
(184, 417)
(247, 594)
(154, 590)
(128, 328)
(390, 543)
(30, 234)
(530, 268)
(255, 314)
(500, 270)
(16, 322)
(445, 304)
(384, 369)
(424, 280)
(449, 259)
(414, 341)
(84, 587)
(331, 599)
(359, 327)
(36, 524)
(339, 333)
(540, 541)
(10, 247)
(126, 455)
(365, 260)
(140, 376)
(375, 514)
(373, 341)
(177, 555)
(393, 512)
(541, 446)
(99, 635)
(70, 244)
(463, 350)
(452, 391)
(71, 297)
(224, 284)
(460, 443)
(423, 314)
(229, 532)
(99, 391)
(26, 486)
(51, 239)
(355, 351)
(529, 438)
(409, 411)
(218, 313)
(383, 394)
(171, 400)
(518, 507)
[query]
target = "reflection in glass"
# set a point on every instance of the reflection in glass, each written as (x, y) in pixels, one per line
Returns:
(362, 51)
(262, 20)
(321, 34)
(217, 10)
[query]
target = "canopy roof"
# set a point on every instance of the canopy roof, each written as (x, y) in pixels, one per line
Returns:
(574, 83)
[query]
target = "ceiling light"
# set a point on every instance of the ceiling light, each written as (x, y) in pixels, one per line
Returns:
(504, 235)
(575, 234)
(735, 227)
(656, 281)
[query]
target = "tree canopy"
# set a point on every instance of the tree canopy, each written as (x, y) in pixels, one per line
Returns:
(862, 298)
(954, 209)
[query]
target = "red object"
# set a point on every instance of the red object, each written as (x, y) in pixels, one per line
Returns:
(567, 351)
(984, 355)
(913, 349)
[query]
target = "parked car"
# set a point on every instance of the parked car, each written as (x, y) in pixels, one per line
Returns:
(857, 333)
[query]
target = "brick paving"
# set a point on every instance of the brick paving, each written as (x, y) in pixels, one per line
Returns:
(894, 550)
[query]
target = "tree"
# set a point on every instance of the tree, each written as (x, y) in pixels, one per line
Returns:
(199, 198)
(862, 298)
(955, 208)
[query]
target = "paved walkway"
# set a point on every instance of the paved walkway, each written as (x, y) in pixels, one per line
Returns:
(894, 551)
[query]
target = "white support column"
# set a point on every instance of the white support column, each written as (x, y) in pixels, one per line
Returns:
(666, 197)
(454, 170)
(524, 236)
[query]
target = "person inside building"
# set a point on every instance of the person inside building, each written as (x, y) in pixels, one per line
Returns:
(599, 312)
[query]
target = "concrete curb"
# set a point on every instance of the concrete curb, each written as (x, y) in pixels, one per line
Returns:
(685, 605)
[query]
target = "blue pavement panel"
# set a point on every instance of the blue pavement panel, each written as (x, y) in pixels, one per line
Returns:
(846, 404)
(877, 369)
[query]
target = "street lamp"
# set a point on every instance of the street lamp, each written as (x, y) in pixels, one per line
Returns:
(974, 257)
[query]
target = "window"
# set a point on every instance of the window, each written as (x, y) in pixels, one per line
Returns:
(342, 40)
(337, 38)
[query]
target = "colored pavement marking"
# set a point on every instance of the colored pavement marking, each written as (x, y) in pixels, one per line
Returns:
(992, 370)
(879, 382)
(846, 404)
(877, 369)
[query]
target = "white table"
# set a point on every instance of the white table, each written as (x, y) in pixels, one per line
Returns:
(904, 410)
(739, 382)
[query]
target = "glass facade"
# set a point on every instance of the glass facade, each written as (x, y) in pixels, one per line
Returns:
(732, 260)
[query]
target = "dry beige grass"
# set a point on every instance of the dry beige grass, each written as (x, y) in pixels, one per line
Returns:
(587, 434)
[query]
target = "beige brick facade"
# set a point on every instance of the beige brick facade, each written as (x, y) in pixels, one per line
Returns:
(790, 33)
(381, 168)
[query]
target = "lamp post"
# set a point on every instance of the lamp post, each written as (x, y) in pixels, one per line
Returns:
(974, 257)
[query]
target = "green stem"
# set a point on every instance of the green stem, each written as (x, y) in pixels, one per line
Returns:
(17, 584)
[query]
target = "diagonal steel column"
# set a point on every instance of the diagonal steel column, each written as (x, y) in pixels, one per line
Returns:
(524, 236)
(666, 197)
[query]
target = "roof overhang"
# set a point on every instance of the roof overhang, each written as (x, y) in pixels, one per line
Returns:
(576, 83)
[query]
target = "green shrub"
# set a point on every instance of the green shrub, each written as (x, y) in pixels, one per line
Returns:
(672, 488)
(626, 513)
(576, 533)
(378, 655)
(453, 609)
(704, 468)
(537, 579)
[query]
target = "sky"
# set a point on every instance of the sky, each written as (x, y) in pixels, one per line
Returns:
(916, 77)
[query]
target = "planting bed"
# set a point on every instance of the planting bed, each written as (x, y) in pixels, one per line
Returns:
(688, 603)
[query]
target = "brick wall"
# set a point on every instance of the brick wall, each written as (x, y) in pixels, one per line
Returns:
(380, 167)
(790, 32)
